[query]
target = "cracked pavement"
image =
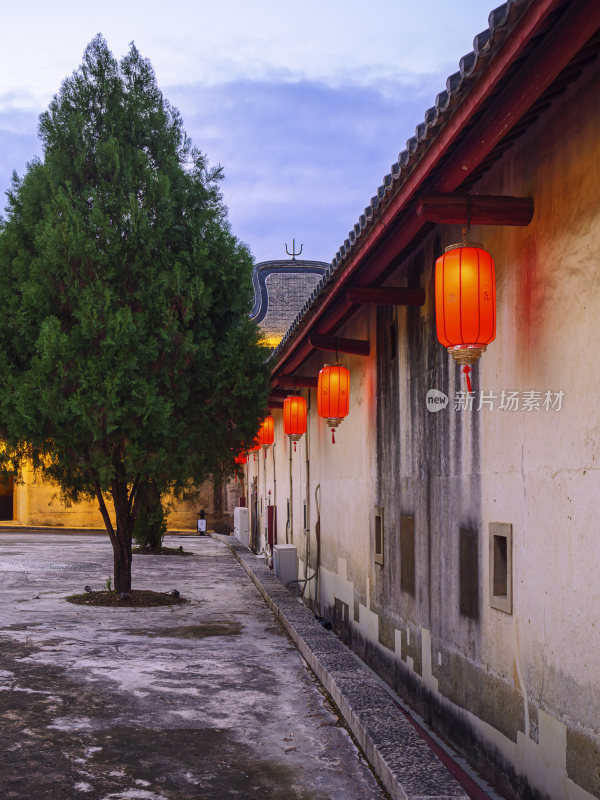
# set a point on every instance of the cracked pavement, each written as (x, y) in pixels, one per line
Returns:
(205, 700)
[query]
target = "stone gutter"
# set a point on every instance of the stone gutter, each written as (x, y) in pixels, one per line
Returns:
(404, 762)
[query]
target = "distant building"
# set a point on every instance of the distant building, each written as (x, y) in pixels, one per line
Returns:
(281, 288)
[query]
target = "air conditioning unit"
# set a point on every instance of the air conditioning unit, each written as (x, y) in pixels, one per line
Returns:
(285, 563)
(241, 526)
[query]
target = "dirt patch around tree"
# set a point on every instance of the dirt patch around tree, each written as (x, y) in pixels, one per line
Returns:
(136, 598)
(163, 551)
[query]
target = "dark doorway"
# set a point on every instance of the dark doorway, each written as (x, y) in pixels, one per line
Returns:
(254, 512)
(6, 496)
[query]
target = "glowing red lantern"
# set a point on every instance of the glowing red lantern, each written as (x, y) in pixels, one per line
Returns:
(266, 433)
(256, 445)
(294, 417)
(465, 301)
(333, 395)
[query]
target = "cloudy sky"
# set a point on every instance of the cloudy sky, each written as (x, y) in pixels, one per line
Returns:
(305, 103)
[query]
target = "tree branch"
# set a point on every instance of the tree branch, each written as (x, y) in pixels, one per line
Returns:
(133, 494)
(103, 508)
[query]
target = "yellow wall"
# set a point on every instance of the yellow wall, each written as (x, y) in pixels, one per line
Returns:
(38, 503)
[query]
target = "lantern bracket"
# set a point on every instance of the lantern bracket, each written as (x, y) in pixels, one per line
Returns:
(336, 344)
(473, 209)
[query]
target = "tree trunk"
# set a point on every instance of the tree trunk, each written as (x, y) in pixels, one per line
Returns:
(122, 565)
(121, 537)
(122, 540)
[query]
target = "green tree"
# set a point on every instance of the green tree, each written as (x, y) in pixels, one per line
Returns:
(126, 352)
(151, 522)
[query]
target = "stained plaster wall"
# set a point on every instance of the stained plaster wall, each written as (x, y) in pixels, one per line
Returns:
(343, 473)
(518, 692)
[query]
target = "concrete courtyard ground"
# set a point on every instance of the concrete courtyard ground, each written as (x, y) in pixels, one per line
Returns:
(206, 700)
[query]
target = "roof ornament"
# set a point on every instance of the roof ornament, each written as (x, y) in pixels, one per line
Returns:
(293, 254)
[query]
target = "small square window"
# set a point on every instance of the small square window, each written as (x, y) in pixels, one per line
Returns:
(501, 566)
(378, 535)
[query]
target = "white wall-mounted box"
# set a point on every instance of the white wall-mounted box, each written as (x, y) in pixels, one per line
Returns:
(285, 562)
(241, 527)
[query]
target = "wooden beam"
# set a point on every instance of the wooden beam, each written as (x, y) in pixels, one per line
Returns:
(297, 381)
(386, 296)
(458, 209)
(333, 344)
(277, 394)
(275, 404)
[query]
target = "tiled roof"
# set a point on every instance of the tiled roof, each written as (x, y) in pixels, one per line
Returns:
(264, 269)
(501, 22)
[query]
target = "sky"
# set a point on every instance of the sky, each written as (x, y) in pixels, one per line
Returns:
(304, 103)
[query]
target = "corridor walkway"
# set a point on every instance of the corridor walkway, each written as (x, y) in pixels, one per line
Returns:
(206, 700)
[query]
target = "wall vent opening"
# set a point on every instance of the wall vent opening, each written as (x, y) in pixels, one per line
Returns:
(501, 566)
(378, 549)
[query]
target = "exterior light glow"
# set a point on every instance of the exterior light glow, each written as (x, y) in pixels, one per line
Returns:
(294, 417)
(333, 395)
(465, 301)
(266, 432)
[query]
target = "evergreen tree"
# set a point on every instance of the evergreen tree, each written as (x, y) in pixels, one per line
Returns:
(126, 351)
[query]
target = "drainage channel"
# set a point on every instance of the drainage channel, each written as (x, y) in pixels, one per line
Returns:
(474, 785)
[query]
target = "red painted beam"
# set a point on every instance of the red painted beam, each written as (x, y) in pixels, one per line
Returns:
(386, 296)
(577, 25)
(336, 344)
(462, 209)
(274, 404)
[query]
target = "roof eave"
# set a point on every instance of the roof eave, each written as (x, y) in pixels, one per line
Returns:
(443, 162)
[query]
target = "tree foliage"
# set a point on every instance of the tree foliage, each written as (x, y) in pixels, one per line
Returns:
(126, 352)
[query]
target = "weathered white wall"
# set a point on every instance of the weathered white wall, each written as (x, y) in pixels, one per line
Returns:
(520, 689)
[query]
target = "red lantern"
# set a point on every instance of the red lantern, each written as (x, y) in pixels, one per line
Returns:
(240, 459)
(465, 301)
(256, 445)
(266, 433)
(333, 395)
(294, 417)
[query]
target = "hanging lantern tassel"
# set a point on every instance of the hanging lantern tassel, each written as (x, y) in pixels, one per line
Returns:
(294, 446)
(333, 422)
(466, 369)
